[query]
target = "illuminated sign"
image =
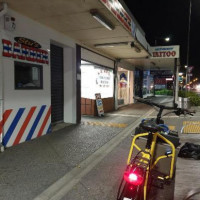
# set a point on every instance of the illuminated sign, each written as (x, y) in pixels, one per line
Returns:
(24, 52)
(165, 52)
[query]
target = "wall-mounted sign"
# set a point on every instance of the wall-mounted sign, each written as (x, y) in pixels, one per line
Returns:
(99, 104)
(118, 11)
(23, 52)
(27, 42)
(161, 73)
(190, 68)
(165, 51)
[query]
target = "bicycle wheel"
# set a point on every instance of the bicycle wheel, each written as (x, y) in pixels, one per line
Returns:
(130, 192)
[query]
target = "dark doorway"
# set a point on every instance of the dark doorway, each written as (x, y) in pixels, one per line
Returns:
(57, 97)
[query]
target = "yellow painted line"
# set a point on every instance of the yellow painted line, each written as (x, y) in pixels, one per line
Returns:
(191, 127)
(109, 124)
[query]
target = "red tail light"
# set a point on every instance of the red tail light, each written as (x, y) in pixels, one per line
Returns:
(133, 178)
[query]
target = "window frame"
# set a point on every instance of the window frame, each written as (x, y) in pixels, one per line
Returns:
(40, 67)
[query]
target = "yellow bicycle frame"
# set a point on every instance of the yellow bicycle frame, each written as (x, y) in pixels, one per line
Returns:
(149, 154)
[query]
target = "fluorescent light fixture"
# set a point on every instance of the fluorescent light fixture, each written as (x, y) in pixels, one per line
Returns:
(114, 44)
(169, 79)
(101, 19)
(167, 39)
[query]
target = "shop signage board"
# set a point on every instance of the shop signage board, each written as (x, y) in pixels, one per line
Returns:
(161, 73)
(165, 52)
(99, 104)
(115, 7)
(20, 50)
(27, 42)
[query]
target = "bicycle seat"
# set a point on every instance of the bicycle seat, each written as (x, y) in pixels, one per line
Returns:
(150, 126)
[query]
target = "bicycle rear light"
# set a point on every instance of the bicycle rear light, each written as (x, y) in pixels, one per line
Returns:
(133, 178)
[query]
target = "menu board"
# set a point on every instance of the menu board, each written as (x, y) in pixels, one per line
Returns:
(99, 104)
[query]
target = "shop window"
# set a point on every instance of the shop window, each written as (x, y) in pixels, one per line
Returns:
(96, 79)
(28, 76)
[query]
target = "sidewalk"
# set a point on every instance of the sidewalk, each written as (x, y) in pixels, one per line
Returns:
(91, 156)
(26, 170)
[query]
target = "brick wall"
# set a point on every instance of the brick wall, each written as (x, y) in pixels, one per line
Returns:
(88, 106)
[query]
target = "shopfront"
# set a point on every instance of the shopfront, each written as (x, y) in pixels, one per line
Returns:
(38, 79)
(97, 76)
(125, 86)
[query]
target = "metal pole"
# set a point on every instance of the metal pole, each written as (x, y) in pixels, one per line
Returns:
(116, 83)
(188, 44)
(175, 85)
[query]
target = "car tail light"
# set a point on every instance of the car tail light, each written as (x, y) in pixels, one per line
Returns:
(133, 178)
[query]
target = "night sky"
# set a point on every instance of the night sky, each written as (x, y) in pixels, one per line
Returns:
(162, 18)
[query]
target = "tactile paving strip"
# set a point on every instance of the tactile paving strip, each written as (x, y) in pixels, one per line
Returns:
(172, 128)
(108, 124)
(191, 127)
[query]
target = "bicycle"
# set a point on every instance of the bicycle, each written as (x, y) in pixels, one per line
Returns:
(141, 170)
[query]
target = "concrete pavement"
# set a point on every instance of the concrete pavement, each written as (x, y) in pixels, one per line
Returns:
(89, 158)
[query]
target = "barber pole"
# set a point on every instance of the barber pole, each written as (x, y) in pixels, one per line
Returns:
(24, 124)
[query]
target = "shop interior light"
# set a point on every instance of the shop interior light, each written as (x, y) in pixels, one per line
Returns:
(101, 19)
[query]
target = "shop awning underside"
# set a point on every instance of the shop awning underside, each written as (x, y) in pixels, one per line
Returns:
(154, 63)
(73, 18)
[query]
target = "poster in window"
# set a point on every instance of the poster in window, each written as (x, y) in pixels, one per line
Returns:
(35, 74)
(123, 85)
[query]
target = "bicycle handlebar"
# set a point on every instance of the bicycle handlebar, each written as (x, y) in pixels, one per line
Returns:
(177, 111)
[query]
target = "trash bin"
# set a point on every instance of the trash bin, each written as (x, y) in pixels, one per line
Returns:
(184, 103)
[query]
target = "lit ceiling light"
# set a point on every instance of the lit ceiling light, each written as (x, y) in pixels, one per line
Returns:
(167, 39)
(117, 5)
(101, 19)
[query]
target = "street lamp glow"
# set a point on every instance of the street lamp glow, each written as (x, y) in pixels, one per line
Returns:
(167, 39)
(186, 66)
